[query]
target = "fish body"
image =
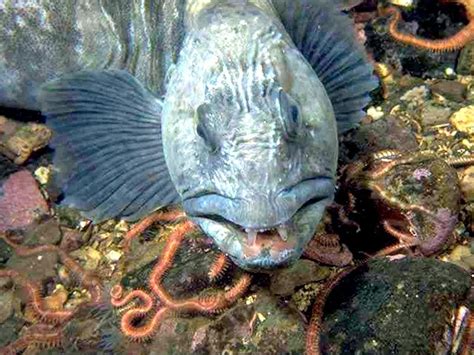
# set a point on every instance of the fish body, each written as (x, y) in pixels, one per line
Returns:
(238, 122)
(41, 40)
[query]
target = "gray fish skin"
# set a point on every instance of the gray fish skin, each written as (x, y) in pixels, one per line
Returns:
(239, 127)
(42, 39)
(257, 176)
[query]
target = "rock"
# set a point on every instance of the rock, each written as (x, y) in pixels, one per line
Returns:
(21, 201)
(386, 133)
(469, 261)
(47, 232)
(10, 330)
(72, 239)
(187, 276)
(284, 281)
(39, 268)
(429, 182)
(90, 257)
(6, 304)
(18, 140)
(42, 266)
(459, 252)
(263, 326)
(388, 307)
(432, 115)
(415, 96)
(452, 90)
(7, 167)
(113, 255)
(463, 120)
(375, 112)
(466, 60)
(57, 299)
(404, 3)
(43, 174)
(68, 217)
(467, 184)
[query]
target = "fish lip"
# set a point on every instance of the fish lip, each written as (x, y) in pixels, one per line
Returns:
(233, 242)
(315, 189)
(241, 228)
(261, 264)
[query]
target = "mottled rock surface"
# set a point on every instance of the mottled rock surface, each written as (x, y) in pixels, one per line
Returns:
(452, 90)
(388, 307)
(21, 201)
(285, 281)
(367, 139)
(467, 184)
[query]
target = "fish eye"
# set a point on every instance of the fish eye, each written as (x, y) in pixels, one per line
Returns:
(289, 115)
(204, 129)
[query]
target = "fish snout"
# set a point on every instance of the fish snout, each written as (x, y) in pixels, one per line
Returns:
(260, 211)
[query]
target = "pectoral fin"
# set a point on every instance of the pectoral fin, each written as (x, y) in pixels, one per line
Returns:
(107, 137)
(326, 38)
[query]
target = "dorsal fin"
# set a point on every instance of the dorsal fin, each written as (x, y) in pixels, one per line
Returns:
(326, 38)
(107, 137)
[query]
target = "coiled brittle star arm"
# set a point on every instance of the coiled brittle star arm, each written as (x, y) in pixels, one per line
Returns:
(455, 42)
(138, 325)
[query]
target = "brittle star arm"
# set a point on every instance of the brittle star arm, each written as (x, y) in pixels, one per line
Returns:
(455, 42)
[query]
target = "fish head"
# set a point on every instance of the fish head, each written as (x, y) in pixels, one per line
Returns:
(251, 146)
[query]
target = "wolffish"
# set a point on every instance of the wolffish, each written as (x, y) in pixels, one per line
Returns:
(231, 108)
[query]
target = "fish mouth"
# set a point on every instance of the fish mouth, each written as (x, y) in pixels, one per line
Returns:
(266, 246)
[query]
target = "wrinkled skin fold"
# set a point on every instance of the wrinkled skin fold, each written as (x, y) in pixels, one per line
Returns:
(256, 135)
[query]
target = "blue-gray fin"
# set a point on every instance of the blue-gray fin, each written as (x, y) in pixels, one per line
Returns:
(108, 146)
(326, 38)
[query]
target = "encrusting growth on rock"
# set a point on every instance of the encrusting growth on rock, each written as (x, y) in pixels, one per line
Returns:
(455, 42)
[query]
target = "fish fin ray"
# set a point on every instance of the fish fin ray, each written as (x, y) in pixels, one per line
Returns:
(326, 38)
(92, 111)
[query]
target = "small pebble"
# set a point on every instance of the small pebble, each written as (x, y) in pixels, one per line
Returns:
(42, 175)
(432, 115)
(450, 89)
(403, 3)
(469, 260)
(467, 184)
(57, 299)
(449, 71)
(375, 112)
(415, 96)
(21, 201)
(6, 304)
(113, 255)
(463, 120)
(121, 227)
(91, 257)
(459, 252)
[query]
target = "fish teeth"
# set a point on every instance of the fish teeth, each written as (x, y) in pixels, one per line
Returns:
(251, 236)
(283, 232)
(252, 233)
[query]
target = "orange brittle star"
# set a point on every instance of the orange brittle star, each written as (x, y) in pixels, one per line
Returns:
(166, 304)
(455, 42)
